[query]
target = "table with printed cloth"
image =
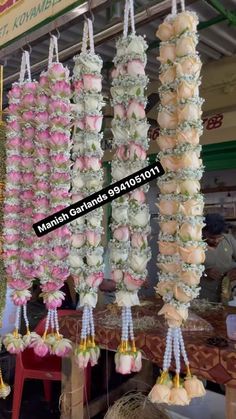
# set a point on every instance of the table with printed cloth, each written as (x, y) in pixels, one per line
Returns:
(213, 363)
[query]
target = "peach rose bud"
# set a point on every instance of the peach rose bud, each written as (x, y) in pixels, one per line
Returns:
(191, 207)
(185, 46)
(179, 397)
(192, 254)
(168, 187)
(190, 232)
(189, 112)
(165, 31)
(186, 90)
(167, 53)
(180, 295)
(166, 142)
(163, 287)
(160, 393)
(135, 68)
(168, 98)
(167, 119)
(174, 316)
(168, 76)
(183, 21)
(167, 207)
(190, 278)
(190, 136)
(169, 227)
(167, 248)
(168, 267)
(189, 65)
(194, 387)
(190, 187)
(136, 110)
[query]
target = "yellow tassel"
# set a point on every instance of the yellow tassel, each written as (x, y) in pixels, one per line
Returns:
(133, 346)
(188, 371)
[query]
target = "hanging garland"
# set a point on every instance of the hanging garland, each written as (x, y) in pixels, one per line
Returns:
(19, 195)
(129, 250)
(181, 249)
(52, 150)
(86, 256)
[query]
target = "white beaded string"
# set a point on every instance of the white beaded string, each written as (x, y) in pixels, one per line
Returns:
(131, 325)
(92, 331)
(182, 347)
(85, 37)
(27, 62)
(176, 350)
(90, 28)
(52, 320)
(53, 46)
(126, 323)
(25, 316)
(47, 322)
(84, 322)
(123, 324)
(174, 7)
(56, 320)
(18, 315)
(168, 350)
(131, 2)
(182, 2)
(22, 68)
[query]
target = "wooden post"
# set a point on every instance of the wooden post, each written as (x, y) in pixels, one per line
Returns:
(230, 400)
(72, 389)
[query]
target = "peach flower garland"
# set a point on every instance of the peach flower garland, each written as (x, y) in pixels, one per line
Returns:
(86, 254)
(129, 251)
(181, 249)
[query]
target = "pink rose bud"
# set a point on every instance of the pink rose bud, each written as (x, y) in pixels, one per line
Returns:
(136, 152)
(60, 252)
(135, 68)
(42, 152)
(14, 142)
(56, 303)
(42, 117)
(28, 99)
(14, 125)
(30, 86)
(59, 138)
(78, 240)
(121, 234)
(28, 132)
(139, 240)
(15, 91)
(122, 153)
(132, 283)
(43, 135)
(80, 123)
(13, 159)
(93, 238)
(43, 80)
(95, 279)
(77, 197)
(78, 86)
(12, 238)
(117, 275)
(119, 112)
(93, 123)
(28, 116)
(41, 349)
(27, 162)
(29, 194)
(28, 178)
(13, 108)
(17, 284)
(42, 100)
(124, 363)
(60, 120)
(93, 163)
(92, 82)
(42, 168)
(136, 110)
(57, 70)
(138, 195)
(79, 164)
(28, 146)
(61, 88)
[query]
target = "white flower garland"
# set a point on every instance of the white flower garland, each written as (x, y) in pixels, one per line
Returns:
(86, 255)
(129, 251)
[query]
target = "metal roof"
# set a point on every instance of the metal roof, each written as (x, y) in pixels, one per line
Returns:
(216, 41)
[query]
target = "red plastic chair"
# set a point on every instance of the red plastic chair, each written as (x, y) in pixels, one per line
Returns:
(47, 369)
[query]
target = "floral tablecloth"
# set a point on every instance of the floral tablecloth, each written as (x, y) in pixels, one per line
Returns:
(209, 362)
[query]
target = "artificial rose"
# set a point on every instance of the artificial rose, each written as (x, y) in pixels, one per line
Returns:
(122, 153)
(168, 207)
(190, 65)
(192, 254)
(138, 129)
(160, 393)
(94, 259)
(168, 76)
(167, 248)
(138, 262)
(75, 261)
(185, 46)
(165, 31)
(168, 98)
(82, 358)
(136, 110)
(136, 152)
(93, 123)
(121, 234)
(187, 90)
(89, 298)
(179, 397)
(118, 255)
(194, 387)
(189, 112)
(185, 21)
(132, 283)
(93, 238)
(120, 214)
(94, 355)
(92, 163)
(180, 295)
(119, 112)
(191, 207)
(164, 287)
(167, 119)
(117, 275)
(127, 299)
(190, 232)
(62, 347)
(190, 278)
(140, 218)
(123, 363)
(187, 160)
(174, 316)
(135, 68)
(139, 240)
(138, 195)
(169, 267)
(119, 171)
(137, 45)
(78, 240)
(190, 187)
(92, 82)
(168, 187)
(169, 227)
(166, 142)
(95, 279)
(167, 53)
(5, 390)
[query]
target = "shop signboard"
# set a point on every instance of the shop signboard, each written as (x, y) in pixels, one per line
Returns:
(20, 16)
